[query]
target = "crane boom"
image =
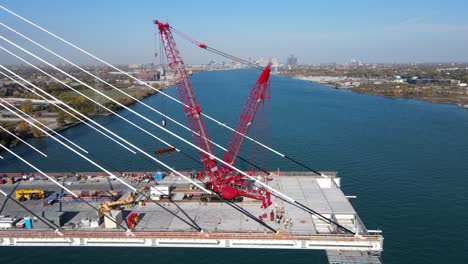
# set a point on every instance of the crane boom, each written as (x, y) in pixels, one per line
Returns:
(221, 179)
(186, 94)
(255, 99)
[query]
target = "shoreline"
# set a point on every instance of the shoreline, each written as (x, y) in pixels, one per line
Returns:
(321, 80)
(164, 87)
(59, 129)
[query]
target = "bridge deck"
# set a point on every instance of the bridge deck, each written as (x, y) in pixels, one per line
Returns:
(223, 226)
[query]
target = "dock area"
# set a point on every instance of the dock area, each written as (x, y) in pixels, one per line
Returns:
(223, 227)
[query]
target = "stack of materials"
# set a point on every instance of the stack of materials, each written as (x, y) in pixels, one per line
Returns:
(7, 222)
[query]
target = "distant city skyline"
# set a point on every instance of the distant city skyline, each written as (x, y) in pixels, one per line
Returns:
(121, 32)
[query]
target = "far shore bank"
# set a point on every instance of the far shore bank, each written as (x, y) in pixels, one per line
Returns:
(440, 97)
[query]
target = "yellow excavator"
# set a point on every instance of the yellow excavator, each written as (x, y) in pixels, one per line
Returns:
(107, 207)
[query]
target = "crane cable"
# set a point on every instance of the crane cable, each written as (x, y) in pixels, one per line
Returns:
(61, 164)
(173, 134)
(84, 157)
(145, 84)
(24, 86)
(159, 48)
(58, 184)
(49, 223)
(59, 107)
(133, 98)
(127, 108)
(221, 53)
(214, 120)
(197, 228)
(224, 54)
(296, 203)
(193, 224)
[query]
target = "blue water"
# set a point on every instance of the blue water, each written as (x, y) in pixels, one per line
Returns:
(405, 160)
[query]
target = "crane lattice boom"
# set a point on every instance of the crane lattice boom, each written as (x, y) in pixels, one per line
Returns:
(256, 97)
(186, 94)
(222, 180)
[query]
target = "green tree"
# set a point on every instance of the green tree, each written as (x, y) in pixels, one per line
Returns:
(23, 129)
(36, 131)
(83, 105)
(71, 119)
(26, 106)
(5, 138)
(465, 78)
(61, 118)
(112, 106)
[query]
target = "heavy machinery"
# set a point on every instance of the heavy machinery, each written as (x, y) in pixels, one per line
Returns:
(132, 220)
(222, 179)
(107, 207)
(23, 195)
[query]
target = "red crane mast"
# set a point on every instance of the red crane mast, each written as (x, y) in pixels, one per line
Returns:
(256, 97)
(221, 179)
(187, 96)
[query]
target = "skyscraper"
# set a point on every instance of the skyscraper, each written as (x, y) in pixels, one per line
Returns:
(291, 60)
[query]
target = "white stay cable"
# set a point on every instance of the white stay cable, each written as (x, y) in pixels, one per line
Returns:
(20, 139)
(3, 103)
(41, 172)
(87, 118)
(107, 130)
(143, 117)
(112, 86)
(92, 121)
(138, 80)
(64, 138)
(13, 108)
(82, 94)
(58, 184)
(112, 176)
(58, 106)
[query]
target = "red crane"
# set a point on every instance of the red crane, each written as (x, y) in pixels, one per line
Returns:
(222, 179)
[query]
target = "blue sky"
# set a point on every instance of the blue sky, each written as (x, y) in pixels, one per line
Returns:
(315, 31)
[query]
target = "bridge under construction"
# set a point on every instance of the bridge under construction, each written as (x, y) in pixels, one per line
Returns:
(223, 227)
(218, 206)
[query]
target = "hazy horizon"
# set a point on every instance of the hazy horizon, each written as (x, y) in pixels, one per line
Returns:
(316, 33)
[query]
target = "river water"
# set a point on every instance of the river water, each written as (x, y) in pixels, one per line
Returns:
(405, 160)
